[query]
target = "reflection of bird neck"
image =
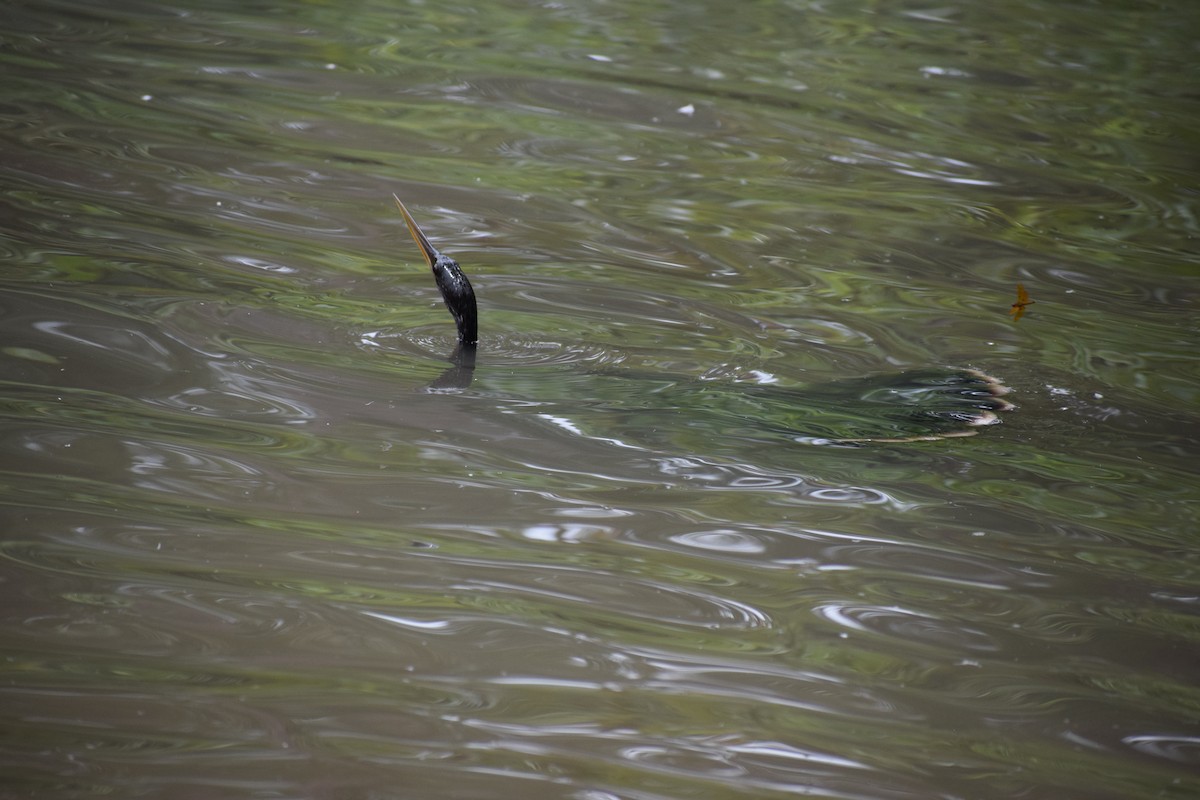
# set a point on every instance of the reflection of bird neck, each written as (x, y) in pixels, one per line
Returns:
(459, 296)
(459, 375)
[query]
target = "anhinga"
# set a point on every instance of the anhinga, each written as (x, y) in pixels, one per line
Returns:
(939, 403)
(455, 288)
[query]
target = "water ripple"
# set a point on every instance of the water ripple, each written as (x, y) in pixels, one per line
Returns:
(500, 350)
(800, 489)
(910, 626)
(1184, 749)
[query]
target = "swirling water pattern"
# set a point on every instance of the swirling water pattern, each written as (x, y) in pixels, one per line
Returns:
(258, 545)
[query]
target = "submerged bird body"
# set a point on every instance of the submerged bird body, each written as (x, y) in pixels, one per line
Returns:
(451, 281)
(939, 403)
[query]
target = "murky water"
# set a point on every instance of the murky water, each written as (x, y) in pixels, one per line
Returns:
(262, 539)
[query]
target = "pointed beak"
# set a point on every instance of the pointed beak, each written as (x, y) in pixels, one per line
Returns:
(431, 253)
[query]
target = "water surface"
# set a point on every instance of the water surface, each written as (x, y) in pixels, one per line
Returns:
(261, 539)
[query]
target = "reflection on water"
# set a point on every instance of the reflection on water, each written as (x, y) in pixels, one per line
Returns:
(267, 533)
